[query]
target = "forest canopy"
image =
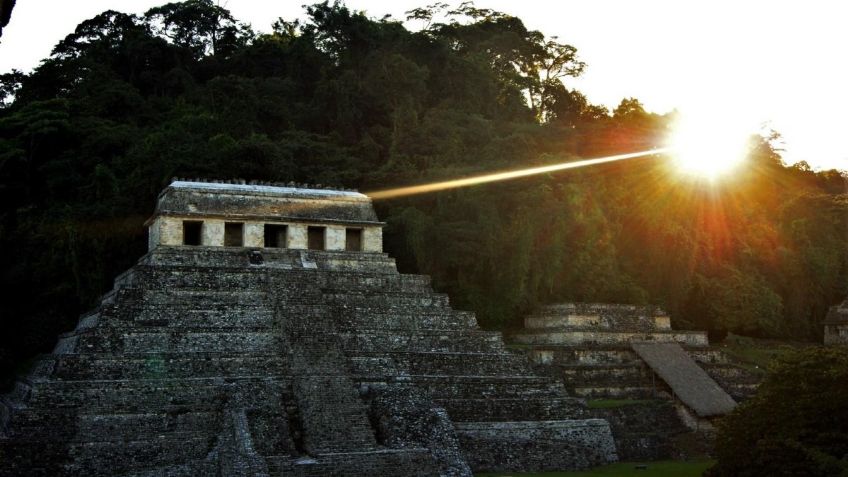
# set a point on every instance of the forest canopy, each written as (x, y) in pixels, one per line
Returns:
(125, 102)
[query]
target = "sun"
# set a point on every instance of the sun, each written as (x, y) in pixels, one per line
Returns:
(708, 146)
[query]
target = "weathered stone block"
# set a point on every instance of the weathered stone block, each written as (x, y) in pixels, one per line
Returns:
(297, 236)
(335, 237)
(212, 233)
(254, 234)
(552, 445)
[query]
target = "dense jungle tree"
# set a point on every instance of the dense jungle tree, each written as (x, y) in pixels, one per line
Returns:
(795, 425)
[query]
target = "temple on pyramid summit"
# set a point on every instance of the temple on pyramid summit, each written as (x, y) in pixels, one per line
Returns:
(266, 333)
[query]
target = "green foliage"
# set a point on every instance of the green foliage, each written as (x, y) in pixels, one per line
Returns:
(125, 102)
(795, 425)
(757, 355)
(199, 26)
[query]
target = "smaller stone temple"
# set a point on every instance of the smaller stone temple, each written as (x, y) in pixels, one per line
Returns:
(629, 354)
(836, 325)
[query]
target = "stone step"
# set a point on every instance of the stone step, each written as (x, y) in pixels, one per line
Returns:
(371, 283)
(709, 355)
(173, 365)
(41, 368)
(574, 337)
(165, 340)
(182, 469)
(616, 373)
(513, 409)
(201, 298)
(404, 319)
(739, 391)
(185, 315)
(480, 387)
(120, 295)
(396, 340)
(69, 342)
(137, 426)
(388, 300)
(111, 458)
(407, 462)
(545, 446)
(600, 322)
(730, 372)
(289, 260)
(89, 321)
(353, 262)
(621, 311)
(580, 355)
(23, 423)
(437, 363)
(201, 278)
(609, 353)
(157, 394)
(740, 383)
(613, 391)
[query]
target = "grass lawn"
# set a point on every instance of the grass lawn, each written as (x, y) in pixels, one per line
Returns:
(754, 354)
(668, 468)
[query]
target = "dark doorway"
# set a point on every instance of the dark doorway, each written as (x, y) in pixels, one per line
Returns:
(233, 234)
(275, 235)
(192, 232)
(353, 240)
(315, 237)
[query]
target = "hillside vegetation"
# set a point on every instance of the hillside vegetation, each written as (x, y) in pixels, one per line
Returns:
(126, 102)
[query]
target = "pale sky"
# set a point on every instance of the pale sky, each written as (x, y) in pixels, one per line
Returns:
(740, 63)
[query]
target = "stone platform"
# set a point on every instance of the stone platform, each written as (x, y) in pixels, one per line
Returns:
(234, 361)
(575, 324)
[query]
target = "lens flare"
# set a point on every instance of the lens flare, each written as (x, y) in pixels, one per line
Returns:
(502, 176)
(708, 146)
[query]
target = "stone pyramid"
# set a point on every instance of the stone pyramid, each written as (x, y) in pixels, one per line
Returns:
(265, 333)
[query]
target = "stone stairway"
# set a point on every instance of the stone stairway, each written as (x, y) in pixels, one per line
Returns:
(397, 332)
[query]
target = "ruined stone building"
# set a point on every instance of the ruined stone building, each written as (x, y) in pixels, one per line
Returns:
(266, 333)
(631, 352)
(836, 325)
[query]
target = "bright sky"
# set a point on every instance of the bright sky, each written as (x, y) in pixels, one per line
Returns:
(737, 64)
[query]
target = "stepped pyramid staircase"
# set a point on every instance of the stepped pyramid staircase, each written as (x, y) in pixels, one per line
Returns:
(231, 361)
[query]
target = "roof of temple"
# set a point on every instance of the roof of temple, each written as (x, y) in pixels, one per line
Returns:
(264, 202)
